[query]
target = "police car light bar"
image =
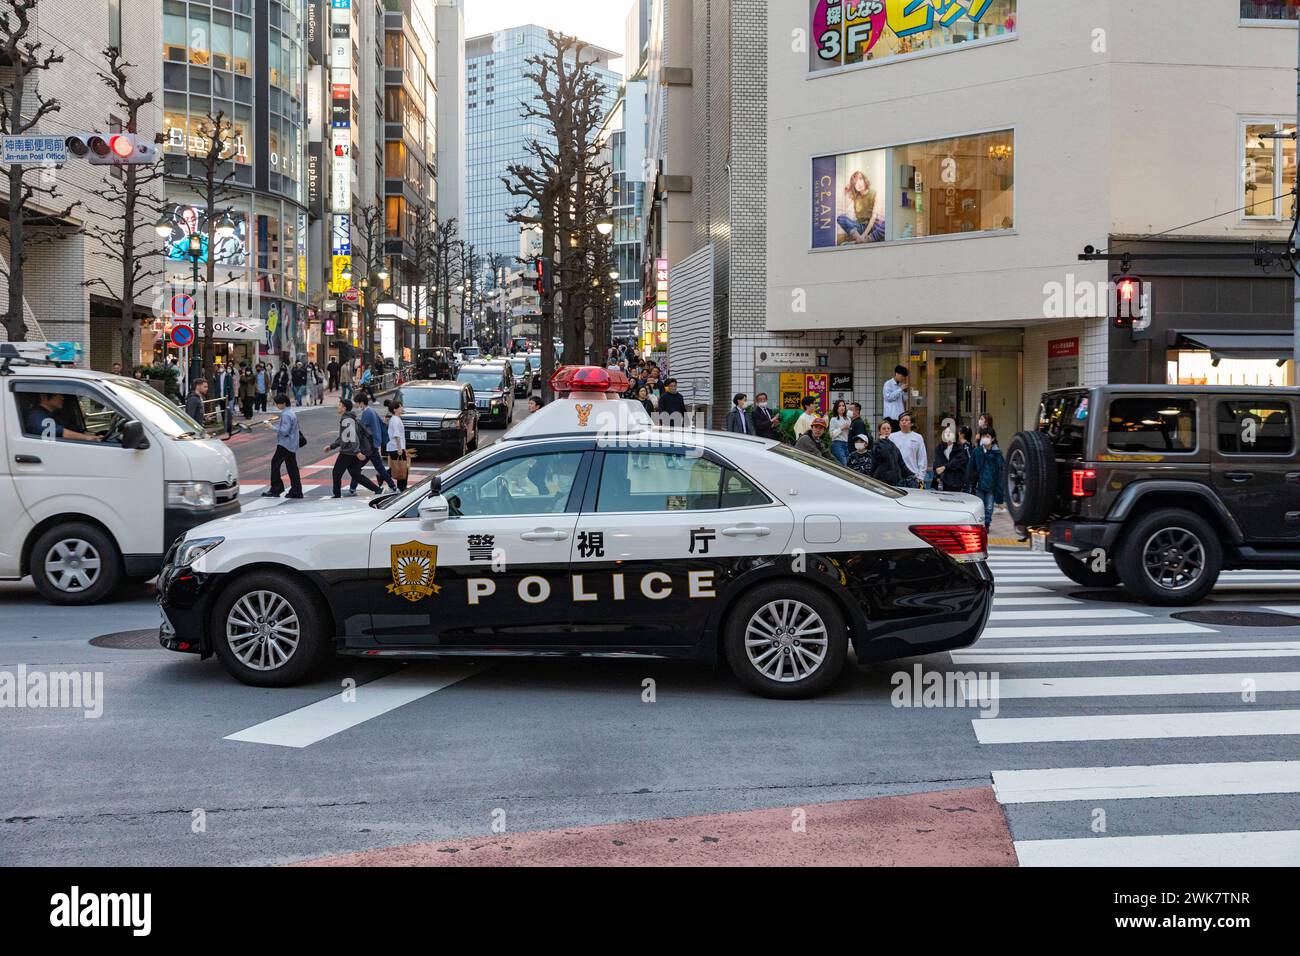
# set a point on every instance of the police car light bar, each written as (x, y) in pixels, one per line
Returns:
(965, 542)
(588, 379)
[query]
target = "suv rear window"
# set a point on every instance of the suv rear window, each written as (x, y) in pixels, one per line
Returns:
(1151, 423)
(1248, 427)
(1063, 417)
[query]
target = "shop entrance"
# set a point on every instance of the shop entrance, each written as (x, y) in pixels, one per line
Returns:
(962, 382)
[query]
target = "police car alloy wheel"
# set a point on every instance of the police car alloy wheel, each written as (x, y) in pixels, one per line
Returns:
(268, 631)
(75, 564)
(786, 640)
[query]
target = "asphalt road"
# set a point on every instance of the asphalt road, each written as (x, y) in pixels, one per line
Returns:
(1099, 700)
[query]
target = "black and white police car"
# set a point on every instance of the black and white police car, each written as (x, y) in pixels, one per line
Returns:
(589, 531)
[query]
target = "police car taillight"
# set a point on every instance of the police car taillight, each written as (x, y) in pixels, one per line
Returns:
(965, 542)
(588, 379)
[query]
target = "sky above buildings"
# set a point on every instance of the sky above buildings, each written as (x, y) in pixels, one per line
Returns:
(596, 21)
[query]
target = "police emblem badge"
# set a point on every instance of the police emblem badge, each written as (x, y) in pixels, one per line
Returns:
(414, 565)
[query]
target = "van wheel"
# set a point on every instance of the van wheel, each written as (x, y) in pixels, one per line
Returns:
(1080, 572)
(75, 564)
(268, 630)
(1170, 557)
(787, 641)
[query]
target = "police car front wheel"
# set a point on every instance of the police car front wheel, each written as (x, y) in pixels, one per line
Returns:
(786, 640)
(268, 630)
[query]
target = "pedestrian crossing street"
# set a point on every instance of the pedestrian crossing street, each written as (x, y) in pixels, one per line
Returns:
(316, 484)
(1124, 737)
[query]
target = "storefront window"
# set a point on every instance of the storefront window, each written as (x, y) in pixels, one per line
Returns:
(850, 32)
(939, 188)
(1188, 367)
(1268, 169)
(1270, 9)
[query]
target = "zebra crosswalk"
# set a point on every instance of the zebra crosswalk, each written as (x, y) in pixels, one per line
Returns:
(1106, 707)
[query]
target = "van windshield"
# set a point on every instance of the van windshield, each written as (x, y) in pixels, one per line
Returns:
(146, 404)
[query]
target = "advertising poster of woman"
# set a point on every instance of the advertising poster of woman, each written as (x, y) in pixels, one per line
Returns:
(849, 199)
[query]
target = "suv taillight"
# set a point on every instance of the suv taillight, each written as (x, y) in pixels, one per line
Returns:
(1083, 482)
(965, 542)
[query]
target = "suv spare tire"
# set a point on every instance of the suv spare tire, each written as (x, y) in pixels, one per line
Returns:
(1031, 478)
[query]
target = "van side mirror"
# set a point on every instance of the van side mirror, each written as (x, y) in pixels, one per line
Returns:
(434, 509)
(133, 437)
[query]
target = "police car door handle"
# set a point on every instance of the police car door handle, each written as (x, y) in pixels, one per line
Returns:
(544, 534)
(747, 529)
(27, 459)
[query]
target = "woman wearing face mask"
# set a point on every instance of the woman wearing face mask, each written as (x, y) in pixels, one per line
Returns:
(861, 459)
(887, 461)
(988, 470)
(950, 462)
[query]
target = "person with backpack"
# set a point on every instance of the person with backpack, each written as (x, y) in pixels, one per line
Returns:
(354, 447)
(374, 429)
(988, 473)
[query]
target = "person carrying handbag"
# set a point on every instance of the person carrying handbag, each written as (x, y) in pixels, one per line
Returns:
(399, 465)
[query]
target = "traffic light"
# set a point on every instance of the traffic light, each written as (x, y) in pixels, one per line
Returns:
(111, 149)
(545, 282)
(1132, 304)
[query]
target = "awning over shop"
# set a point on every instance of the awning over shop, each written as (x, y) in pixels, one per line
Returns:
(1240, 345)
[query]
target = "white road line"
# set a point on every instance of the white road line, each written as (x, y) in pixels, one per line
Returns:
(1138, 648)
(1068, 657)
(1061, 784)
(1285, 608)
(1022, 590)
(1226, 723)
(1066, 614)
(1088, 630)
(1136, 685)
(333, 715)
(1267, 848)
(1017, 601)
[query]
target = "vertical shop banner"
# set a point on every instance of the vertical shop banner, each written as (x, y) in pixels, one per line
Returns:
(315, 194)
(849, 199)
(792, 390)
(818, 385)
(823, 193)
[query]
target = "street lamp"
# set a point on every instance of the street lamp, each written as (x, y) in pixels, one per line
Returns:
(163, 226)
(226, 225)
(613, 274)
(605, 226)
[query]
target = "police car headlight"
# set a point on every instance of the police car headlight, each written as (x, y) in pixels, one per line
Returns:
(190, 494)
(191, 551)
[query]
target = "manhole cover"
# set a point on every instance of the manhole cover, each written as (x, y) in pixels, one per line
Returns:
(1238, 618)
(145, 640)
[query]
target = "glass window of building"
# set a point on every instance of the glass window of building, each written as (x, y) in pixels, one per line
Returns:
(937, 188)
(848, 33)
(1270, 9)
(200, 36)
(175, 42)
(243, 46)
(1268, 169)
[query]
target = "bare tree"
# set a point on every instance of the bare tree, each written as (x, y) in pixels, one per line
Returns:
(129, 206)
(565, 187)
(447, 246)
(372, 229)
(215, 189)
(25, 58)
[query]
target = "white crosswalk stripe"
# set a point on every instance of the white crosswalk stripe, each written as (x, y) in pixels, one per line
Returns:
(1076, 678)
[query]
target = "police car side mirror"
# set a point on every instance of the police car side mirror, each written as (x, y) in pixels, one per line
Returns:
(133, 435)
(434, 509)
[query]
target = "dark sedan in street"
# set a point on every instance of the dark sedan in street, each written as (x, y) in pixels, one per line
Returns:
(441, 418)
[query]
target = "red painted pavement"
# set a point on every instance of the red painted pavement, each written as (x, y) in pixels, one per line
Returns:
(948, 828)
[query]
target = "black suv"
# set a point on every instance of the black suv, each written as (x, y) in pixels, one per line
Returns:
(440, 418)
(1159, 488)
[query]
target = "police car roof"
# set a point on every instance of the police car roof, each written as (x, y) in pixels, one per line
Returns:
(584, 416)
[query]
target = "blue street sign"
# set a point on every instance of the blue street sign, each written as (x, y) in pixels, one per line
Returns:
(182, 336)
(21, 150)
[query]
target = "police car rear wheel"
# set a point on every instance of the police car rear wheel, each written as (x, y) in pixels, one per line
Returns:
(75, 564)
(268, 631)
(786, 641)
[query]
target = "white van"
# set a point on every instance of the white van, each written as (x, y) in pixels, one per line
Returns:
(99, 474)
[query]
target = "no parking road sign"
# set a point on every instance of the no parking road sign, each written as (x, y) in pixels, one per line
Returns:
(182, 305)
(182, 335)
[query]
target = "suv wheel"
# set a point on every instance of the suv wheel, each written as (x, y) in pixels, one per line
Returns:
(1079, 572)
(786, 641)
(75, 564)
(268, 630)
(1170, 557)
(1031, 478)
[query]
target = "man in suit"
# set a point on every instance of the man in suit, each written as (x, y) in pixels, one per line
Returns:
(737, 420)
(762, 419)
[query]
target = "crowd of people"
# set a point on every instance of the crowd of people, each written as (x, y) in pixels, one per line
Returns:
(894, 453)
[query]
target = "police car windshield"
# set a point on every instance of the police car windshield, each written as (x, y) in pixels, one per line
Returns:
(147, 405)
(414, 398)
(482, 380)
(836, 470)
